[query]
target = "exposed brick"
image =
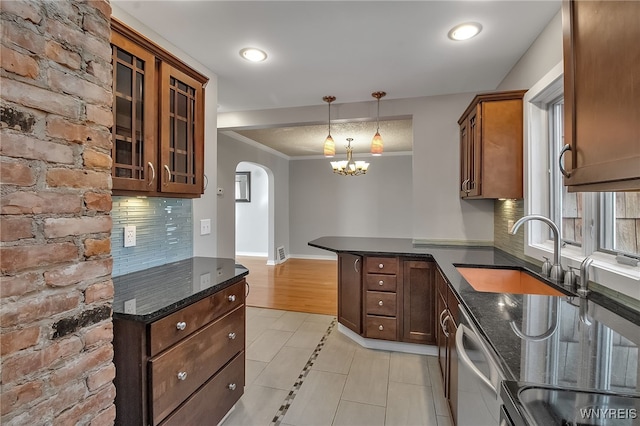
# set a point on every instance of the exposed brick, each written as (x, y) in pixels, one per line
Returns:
(102, 333)
(83, 412)
(23, 146)
(102, 6)
(26, 10)
(59, 127)
(38, 307)
(57, 52)
(18, 340)
(98, 201)
(20, 395)
(88, 179)
(81, 365)
(16, 119)
(40, 202)
(45, 412)
(19, 284)
(13, 173)
(78, 38)
(98, 291)
(99, 115)
(18, 63)
(72, 84)
(101, 377)
(101, 71)
(15, 228)
(78, 272)
(93, 247)
(73, 323)
(105, 418)
(61, 227)
(28, 362)
(95, 24)
(21, 36)
(96, 160)
(19, 258)
(64, 11)
(39, 98)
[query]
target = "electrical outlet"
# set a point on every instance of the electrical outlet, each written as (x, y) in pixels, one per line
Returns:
(130, 306)
(205, 226)
(129, 236)
(205, 281)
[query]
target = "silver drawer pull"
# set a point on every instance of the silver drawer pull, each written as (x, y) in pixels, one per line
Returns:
(232, 336)
(381, 266)
(380, 303)
(380, 327)
(181, 325)
(232, 298)
(182, 375)
(380, 282)
(231, 386)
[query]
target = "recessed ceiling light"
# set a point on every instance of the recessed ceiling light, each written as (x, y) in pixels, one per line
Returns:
(465, 31)
(252, 54)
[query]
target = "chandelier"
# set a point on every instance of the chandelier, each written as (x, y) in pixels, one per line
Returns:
(349, 167)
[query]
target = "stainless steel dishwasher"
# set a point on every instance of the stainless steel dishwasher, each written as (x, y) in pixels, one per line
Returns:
(479, 378)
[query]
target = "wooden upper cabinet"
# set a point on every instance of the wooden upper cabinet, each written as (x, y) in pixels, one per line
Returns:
(134, 150)
(182, 132)
(491, 136)
(602, 95)
(158, 112)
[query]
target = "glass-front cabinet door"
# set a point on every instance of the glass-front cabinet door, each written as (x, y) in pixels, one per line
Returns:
(182, 132)
(133, 133)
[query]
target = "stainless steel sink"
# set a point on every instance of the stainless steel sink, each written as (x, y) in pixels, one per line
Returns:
(557, 406)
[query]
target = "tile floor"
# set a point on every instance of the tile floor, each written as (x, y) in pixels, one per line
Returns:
(296, 374)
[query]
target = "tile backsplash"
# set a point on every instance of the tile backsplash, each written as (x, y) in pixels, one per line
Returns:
(164, 232)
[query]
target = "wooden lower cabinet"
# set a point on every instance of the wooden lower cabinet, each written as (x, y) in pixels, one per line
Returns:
(448, 320)
(185, 368)
(387, 297)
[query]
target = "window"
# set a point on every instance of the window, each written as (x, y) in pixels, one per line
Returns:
(600, 225)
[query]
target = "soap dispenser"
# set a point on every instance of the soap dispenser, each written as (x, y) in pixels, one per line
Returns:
(546, 267)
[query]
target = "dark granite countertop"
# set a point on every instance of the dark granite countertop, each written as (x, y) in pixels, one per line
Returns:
(592, 344)
(161, 290)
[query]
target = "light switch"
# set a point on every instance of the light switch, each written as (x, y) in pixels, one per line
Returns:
(205, 226)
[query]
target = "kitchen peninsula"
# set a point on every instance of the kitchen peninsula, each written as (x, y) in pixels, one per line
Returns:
(179, 341)
(561, 341)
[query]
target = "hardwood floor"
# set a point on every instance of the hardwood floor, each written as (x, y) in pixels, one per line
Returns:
(299, 285)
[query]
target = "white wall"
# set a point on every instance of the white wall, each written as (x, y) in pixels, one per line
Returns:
(205, 206)
(323, 203)
(230, 153)
(437, 213)
(252, 218)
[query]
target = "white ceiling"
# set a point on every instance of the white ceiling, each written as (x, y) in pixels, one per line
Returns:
(348, 49)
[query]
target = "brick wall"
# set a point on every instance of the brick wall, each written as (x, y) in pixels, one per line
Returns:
(56, 290)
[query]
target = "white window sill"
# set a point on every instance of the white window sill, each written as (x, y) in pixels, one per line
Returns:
(604, 271)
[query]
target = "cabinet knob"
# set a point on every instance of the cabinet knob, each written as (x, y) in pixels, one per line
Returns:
(380, 282)
(232, 298)
(380, 327)
(181, 325)
(231, 386)
(232, 336)
(380, 303)
(381, 266)
(182, 375)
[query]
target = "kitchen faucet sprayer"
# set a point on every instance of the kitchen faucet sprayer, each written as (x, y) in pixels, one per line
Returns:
(556, 272)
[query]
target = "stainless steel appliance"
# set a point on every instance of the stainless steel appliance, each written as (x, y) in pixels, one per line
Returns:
(479, 377)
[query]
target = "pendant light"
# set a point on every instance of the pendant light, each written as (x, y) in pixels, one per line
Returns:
(329, 144)
(376, 144)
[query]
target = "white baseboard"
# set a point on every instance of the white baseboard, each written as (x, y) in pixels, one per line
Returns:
(385, 345)
(251, 253)
(313, 256)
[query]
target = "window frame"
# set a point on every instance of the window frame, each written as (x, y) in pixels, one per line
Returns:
(537, 199)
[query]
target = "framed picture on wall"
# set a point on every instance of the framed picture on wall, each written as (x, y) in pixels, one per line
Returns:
(243, 187)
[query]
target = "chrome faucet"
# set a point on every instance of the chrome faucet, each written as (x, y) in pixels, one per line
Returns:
(583, 288)
(556, 272)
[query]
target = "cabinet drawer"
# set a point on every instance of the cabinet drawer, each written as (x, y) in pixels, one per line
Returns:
(381, 328)
(210, 404)
(172, 328)
(379, 282)
(381, 265)
(179, 371)
(380, 303)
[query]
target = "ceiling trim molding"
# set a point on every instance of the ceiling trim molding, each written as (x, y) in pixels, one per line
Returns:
(355, 155)
(253, 143)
